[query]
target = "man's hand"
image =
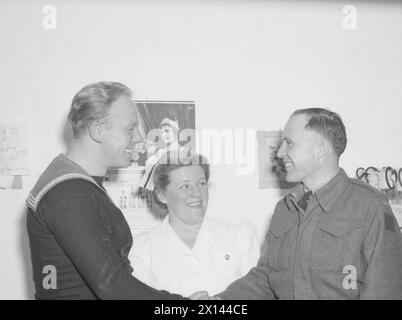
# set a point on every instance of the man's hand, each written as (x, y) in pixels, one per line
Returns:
(200, 295)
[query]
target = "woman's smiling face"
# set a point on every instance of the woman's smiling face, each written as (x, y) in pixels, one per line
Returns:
(186, 196)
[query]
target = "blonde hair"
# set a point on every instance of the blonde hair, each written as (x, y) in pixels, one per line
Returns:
(93, 102)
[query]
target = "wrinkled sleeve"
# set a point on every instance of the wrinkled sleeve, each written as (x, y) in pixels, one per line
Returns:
(250, 250)
(254, 285)
(382, 250)
(82, 234)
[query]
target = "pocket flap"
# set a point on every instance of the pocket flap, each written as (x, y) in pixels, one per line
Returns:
(280, 227)
(339, 228)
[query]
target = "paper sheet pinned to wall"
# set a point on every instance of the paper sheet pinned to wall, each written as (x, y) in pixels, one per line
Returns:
(10, 182)
(14, 151)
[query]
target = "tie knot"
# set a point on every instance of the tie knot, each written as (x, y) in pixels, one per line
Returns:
(303, 202)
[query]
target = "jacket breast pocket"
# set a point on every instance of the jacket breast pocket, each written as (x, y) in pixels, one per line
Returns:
(335, 245)
(280, 248)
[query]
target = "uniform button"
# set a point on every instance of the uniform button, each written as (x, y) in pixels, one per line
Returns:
(227, 256)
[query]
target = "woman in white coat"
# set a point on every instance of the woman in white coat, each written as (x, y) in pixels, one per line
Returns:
(190, 252)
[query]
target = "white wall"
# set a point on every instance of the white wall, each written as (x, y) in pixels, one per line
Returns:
(247, 64)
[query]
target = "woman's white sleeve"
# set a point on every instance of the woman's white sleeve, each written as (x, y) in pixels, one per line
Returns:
(140, 259)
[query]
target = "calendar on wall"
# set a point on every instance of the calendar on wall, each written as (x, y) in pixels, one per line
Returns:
(122, 186)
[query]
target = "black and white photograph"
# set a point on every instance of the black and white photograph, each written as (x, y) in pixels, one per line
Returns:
(160, 124)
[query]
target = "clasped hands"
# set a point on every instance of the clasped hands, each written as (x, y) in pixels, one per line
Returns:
(203, 295)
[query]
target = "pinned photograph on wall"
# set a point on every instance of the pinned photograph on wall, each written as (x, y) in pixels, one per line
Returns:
(271, 169)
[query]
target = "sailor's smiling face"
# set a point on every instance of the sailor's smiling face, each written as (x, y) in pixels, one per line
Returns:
(186, 196)
(118, 133)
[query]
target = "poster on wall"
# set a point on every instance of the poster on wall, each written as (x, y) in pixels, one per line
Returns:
(159, 128)
(271, 171)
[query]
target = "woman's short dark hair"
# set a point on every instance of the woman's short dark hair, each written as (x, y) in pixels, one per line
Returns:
(173, 160)
(327, 123)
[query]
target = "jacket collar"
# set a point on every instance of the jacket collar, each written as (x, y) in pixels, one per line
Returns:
(325, 196)
(204, 236)
(59, 170)
(328, 194)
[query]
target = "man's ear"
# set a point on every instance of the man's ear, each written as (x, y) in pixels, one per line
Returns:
(95, 130)
(161, 197)
(323, 147)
